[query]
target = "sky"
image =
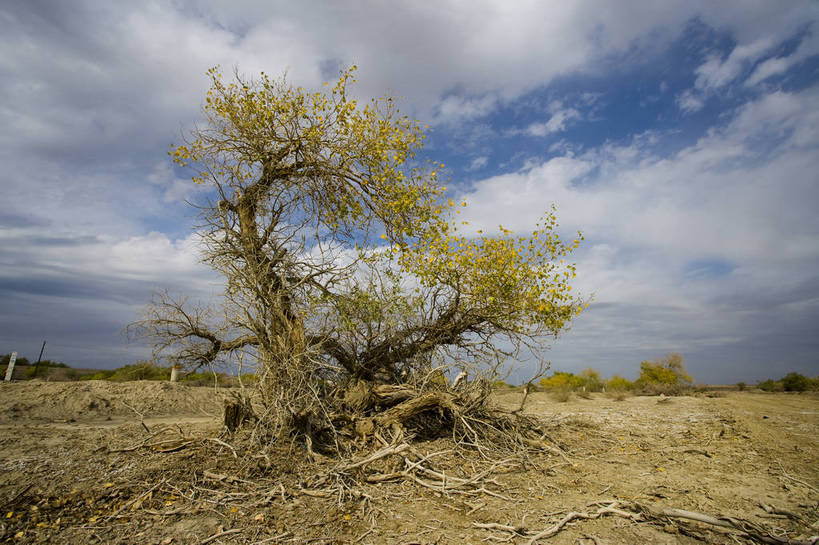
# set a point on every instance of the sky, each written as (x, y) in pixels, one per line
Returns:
(681, 137)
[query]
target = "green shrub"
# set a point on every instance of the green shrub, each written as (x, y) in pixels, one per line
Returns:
(771, 386)
(794, 382)
(741, 386)
(41, 369)
(6, 358)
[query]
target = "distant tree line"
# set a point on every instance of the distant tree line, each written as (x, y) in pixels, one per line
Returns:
(666, 375)
(792, 382)
(663, 375)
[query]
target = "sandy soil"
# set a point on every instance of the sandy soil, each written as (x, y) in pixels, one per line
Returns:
(75, 468)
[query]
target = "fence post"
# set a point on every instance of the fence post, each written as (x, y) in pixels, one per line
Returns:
(10, 370)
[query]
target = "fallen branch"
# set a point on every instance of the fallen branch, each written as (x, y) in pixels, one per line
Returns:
(220, 534)
(650, 513)
(794, 479)
(611, 509)
(746, 528)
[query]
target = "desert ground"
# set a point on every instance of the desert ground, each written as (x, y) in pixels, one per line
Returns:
(149, 462)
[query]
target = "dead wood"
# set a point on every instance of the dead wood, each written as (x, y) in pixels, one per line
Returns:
(403, 412)
(650, 513)
(746, 528)
(237, 412)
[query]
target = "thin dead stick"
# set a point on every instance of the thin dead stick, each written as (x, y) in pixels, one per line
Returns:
(771, 510)
(794, 479)
(227, 478)
(376, 456)
(274, 538)
(138, 498)
(365, 534)
(520, 530)
(143, 443)
(220, 534)
(220, 442)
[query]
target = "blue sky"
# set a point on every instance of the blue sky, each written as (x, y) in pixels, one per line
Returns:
(680, 137)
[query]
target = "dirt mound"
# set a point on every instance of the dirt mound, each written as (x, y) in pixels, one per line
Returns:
(92, 400)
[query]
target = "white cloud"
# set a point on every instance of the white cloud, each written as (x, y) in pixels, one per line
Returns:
(744, 195)
(456, 108)
(717, 72)
(478, 163)
(779, 65)
(558, 122)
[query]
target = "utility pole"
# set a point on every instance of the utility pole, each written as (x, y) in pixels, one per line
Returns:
(37, 365)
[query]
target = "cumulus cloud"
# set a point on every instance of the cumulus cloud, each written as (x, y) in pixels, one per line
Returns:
(668, 237)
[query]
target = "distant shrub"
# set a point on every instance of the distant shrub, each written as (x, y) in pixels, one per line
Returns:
(498, 384)
(561, 395)
(103, 374)
(794, 382)
(135, 371)
(771, 386)
(583, 394)
(619, 384)
(6, 358)
(665, 375)
(41, 369)
(659, 388)
(741, 386)
(591, 380)
(618, 395)
(561, 380)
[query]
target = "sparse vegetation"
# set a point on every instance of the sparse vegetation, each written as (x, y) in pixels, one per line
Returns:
(795, 382)
(561, 395)
(792, 382)
(666, 375)
(619, 384)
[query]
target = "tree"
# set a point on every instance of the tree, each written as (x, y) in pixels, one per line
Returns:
(592, 381)
(342, 257)
(668, 371)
